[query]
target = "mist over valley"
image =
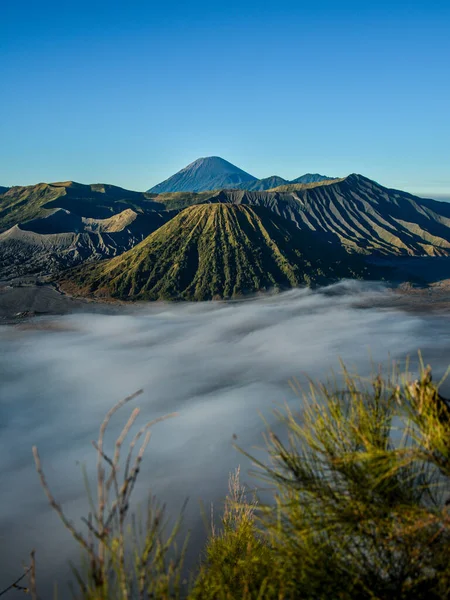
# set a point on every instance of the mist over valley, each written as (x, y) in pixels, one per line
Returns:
(217, 364)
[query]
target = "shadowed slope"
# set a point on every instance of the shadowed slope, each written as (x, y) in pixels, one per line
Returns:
(217, 251)
(359, 213)
(61, 240)
(98, 201)
(262, 184)
(370, 218)
(63, 221)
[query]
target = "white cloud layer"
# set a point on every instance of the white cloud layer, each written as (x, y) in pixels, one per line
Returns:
(217, 364)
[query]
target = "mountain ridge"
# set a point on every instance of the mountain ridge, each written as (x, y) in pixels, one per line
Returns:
(359, 213)
(311, 178)
(213, 172)
(216, 251)
(64, 224)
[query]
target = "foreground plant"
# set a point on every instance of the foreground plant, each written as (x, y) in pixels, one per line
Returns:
(237, 560)
(360, 507)
(362, 491)
(122, 561)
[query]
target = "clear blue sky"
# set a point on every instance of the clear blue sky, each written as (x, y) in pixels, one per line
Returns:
(130, 92)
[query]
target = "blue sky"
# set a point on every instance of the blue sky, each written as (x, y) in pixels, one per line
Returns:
(129, 93)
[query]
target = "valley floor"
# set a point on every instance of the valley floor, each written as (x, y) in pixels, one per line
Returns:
(21, 300)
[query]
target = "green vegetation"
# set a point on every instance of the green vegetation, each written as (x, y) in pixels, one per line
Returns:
(214, 251)
(360, 507)
(20, 204)
(98, 201)
(361, 499)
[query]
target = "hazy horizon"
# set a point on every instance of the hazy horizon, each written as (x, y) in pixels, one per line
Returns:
(422, 192)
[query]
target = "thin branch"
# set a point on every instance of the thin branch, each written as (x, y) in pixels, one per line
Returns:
(119, 443)
(14, 585)
(100, 469)
(33, 576)
(68, 524)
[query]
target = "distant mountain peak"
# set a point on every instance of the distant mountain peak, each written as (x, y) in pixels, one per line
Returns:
(63, 183)
(210, 159)
(210, 173)
(215, 161)
(357, 178)
(204, 174)
(311, 178)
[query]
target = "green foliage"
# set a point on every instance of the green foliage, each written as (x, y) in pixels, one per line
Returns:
(361, 498)
(237, 560)
(20, 204)
(364, 481)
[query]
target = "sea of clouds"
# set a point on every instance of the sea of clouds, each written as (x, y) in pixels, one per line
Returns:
(216, 364)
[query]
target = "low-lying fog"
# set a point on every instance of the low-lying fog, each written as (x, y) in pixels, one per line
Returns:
(217, 364)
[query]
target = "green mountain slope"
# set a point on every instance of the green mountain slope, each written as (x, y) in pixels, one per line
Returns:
(217, 251)
(98, 201)
(22, 203)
